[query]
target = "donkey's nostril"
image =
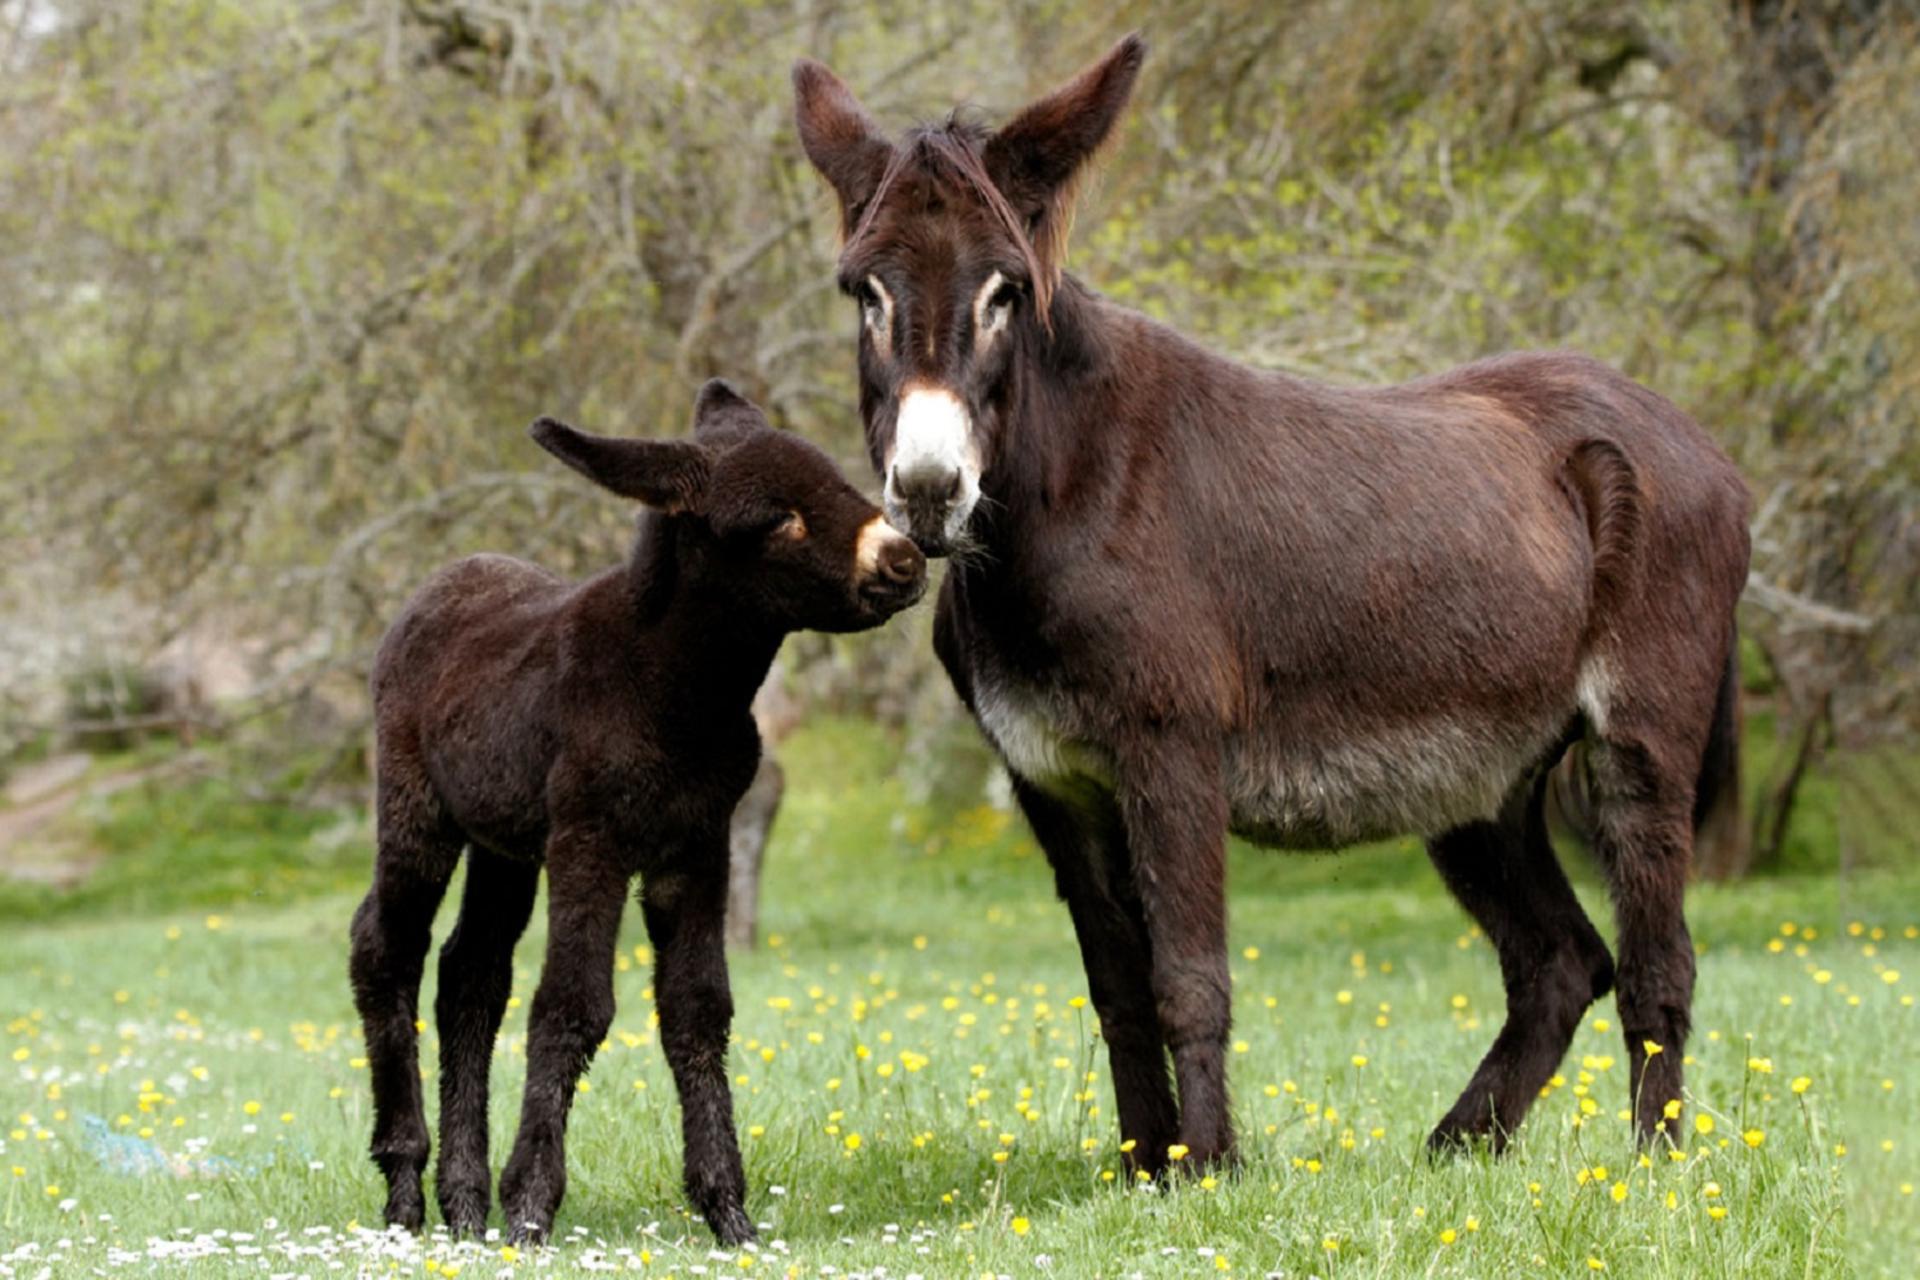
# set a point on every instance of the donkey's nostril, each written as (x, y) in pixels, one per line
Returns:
(901, 562)
(928, 486)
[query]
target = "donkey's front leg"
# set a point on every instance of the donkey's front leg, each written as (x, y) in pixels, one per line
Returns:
(685, 910)
(1175, 812)
(1091, 868)
(572, 1011)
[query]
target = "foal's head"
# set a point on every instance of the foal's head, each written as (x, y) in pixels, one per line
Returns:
(954, 241)
(797, 545)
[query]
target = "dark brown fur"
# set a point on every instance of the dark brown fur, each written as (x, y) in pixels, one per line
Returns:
(601, 729)
(1195, 597)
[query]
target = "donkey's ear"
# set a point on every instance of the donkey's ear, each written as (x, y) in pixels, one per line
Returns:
(722, 417)
(841, 139)
(1035, 157)
(668, 474)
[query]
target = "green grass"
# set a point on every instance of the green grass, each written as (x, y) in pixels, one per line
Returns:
(919, 991)
(196, 843)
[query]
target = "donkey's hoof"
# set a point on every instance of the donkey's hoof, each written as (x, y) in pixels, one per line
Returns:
(1454, 1138)
(1196, 1159)
(528, 1228)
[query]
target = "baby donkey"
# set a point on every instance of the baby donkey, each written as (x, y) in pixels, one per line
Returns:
(601, 728)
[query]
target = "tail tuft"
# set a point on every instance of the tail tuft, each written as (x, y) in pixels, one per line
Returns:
(1720, 838)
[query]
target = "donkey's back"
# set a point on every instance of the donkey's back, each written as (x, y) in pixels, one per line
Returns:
(1428, 585)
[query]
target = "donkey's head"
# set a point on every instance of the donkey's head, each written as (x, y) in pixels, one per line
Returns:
(796, 545)
(954, 238)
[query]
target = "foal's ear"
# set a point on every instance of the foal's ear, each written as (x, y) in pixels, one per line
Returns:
(841, 139)
(722, 417)
(668, 474)
(1035, 157)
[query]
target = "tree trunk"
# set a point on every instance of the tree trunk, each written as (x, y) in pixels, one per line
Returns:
(747, 848)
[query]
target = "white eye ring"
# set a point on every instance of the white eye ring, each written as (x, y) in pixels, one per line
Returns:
(877, 314)
(990, 311)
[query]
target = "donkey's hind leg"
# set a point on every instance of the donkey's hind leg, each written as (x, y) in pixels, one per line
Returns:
(572, 1011)
(417, 855)
(1552, 961)
(1643, 833)
(476, 976)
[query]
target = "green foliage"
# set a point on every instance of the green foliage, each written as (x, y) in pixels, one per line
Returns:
(285, 280)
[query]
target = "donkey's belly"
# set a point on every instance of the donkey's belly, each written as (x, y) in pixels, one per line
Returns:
(1418, 779)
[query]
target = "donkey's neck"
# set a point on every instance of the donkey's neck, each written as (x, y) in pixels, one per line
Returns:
(1111, 394)
(1062, 437)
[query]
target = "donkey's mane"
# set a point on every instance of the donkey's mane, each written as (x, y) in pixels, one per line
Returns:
(950, 154)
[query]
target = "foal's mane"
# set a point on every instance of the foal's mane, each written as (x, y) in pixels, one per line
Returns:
(949, 154)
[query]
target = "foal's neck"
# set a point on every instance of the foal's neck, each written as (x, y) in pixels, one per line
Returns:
(711, 650)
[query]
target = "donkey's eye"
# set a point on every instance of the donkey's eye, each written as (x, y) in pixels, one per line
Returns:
(792, 526)
(993, 307)
(876, 308)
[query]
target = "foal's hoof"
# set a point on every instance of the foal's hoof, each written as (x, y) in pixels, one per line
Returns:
(530, 1194)
(731, 1226)
(406, 1208)
(465, 1212)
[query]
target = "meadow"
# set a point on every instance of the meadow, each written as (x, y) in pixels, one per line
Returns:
(919, 1085)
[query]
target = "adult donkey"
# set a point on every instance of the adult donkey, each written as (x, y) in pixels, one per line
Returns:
(1188, 597)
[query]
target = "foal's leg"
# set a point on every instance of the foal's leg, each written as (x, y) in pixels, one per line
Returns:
(476, 974)
(416, 858)
(686, 911)
(1643, 817)
(1088, 850)
(572, 1011)
(1552, 961)
(1175, 814)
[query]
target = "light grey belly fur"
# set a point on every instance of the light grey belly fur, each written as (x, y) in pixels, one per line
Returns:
(1418, 779)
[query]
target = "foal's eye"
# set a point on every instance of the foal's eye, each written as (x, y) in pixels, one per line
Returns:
(1004, 297)
(792, 527)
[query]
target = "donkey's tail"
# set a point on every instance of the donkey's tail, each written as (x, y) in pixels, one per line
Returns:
(1716, 793)
(1600, 476)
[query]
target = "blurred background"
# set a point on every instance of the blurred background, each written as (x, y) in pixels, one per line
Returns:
(283, 281)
